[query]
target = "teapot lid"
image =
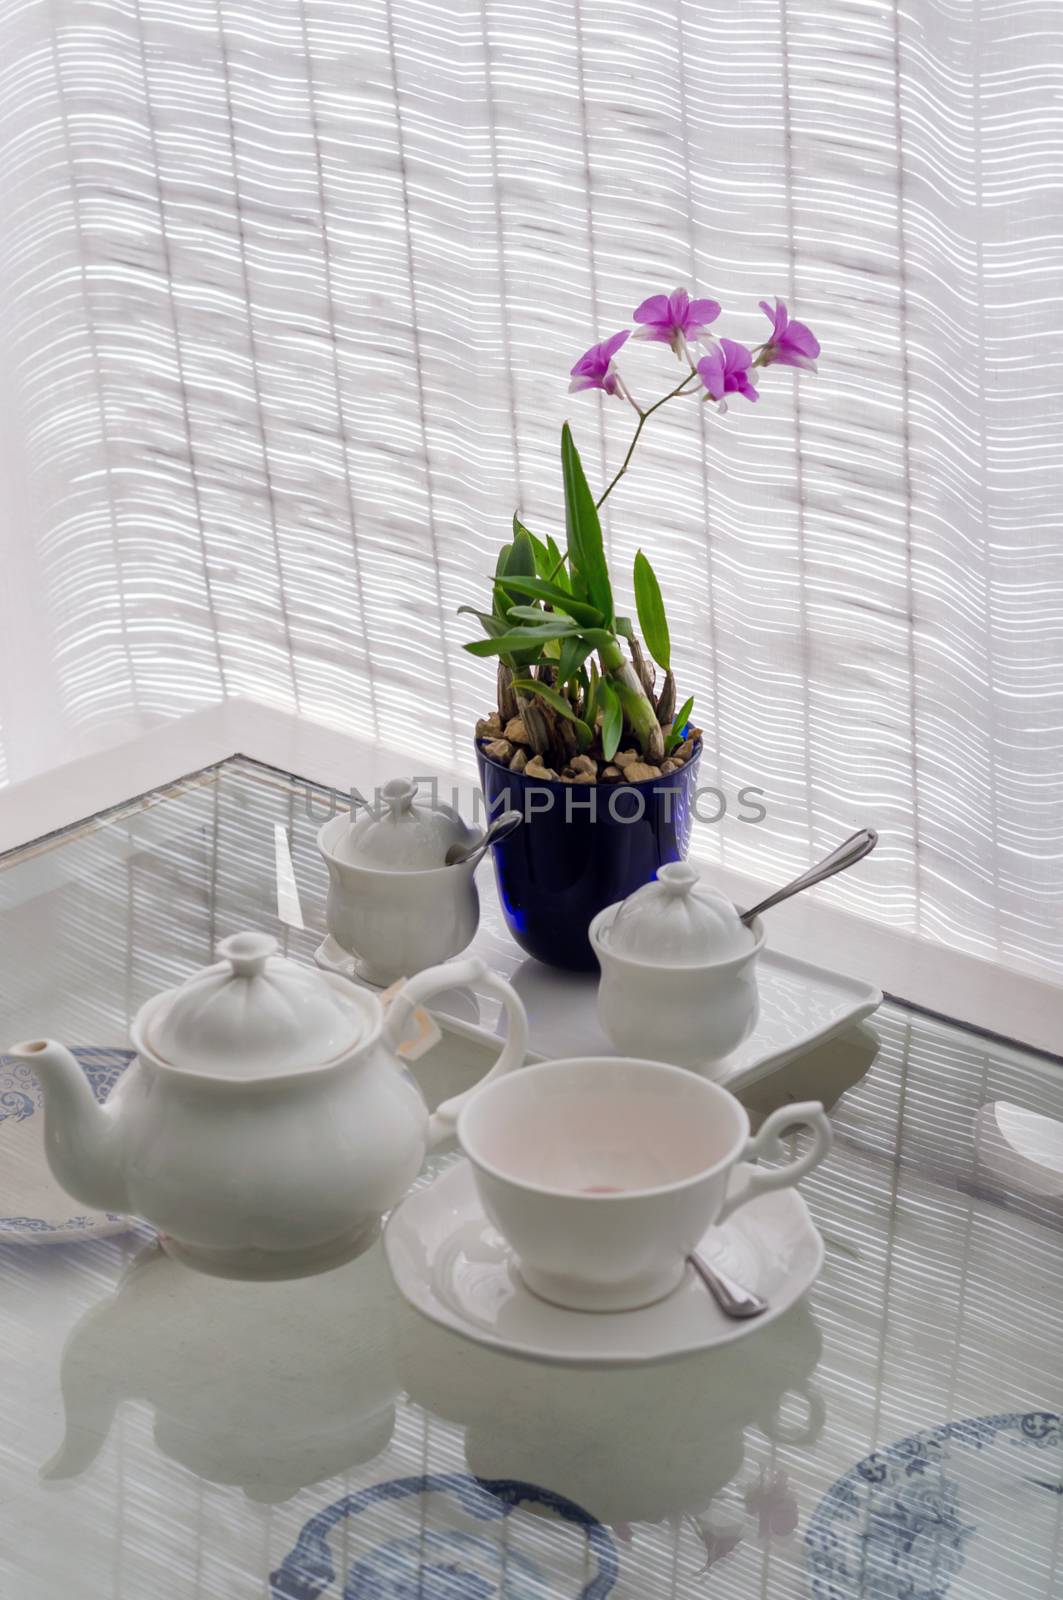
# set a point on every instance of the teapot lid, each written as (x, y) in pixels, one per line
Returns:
(255, 1013)
(404, 836)
(677, 921)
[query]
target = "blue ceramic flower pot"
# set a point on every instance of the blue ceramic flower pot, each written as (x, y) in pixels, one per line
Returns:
(567, 861)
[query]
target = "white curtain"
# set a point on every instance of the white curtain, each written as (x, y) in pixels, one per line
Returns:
(290, 293)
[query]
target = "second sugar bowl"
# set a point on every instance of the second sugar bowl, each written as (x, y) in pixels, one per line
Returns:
(678, 967)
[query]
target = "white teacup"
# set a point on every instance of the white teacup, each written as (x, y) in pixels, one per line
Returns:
(603, 1173)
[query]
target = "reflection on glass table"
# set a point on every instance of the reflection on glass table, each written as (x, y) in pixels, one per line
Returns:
(895, 1434)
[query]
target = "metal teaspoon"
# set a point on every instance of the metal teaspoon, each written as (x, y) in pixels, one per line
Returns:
(731, 1298)
(501, 828)
(846, 855)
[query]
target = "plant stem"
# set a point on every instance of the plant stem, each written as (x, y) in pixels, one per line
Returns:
(535, 722)
(638, 708)
(562, 558)
(623, 390)
(644, 417)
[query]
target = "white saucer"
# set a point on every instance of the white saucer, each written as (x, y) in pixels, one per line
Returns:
(452, 1266)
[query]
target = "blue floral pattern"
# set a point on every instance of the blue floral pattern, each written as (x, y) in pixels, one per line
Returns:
(895, 1528)
(20, 1097)
(448, 1565)
(443, 1566)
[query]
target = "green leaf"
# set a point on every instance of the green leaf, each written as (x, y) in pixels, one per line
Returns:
(560, 599)
(492, 625)
(522, 559)
(499, 601)
(539, 550)
(624, 628)
(652, 620)
(682, 717)
(558, 702)
(612, 719)
(574, 652)
(533, 614)
(516, 560)
(558, 572)
(521, 639)
(586, 551)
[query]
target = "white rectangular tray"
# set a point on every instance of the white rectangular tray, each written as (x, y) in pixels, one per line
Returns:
(801, 1005)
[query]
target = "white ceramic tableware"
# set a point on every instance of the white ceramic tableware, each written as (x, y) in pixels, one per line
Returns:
(799, 1007)
(272, 1386)
(393, 903)
(34, 1209)
(451, 1264)
(678, 979)
(573, 1429)
(266, 1123)
(603, 1174)
(401, 833)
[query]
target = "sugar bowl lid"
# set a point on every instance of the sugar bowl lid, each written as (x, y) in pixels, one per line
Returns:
(255, 1013)
(677, 921)
(404, 835)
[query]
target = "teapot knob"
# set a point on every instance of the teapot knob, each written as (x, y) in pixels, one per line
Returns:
(247, 953)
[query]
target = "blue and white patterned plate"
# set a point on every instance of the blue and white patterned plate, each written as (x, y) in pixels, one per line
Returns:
(33, 1208)
(449, 1536)
(967, 1511)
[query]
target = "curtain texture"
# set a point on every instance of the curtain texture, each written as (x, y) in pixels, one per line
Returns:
(291, 289)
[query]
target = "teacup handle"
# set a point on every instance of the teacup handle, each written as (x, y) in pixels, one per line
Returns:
(809, 1113)
(807, 1432)
(453, 975)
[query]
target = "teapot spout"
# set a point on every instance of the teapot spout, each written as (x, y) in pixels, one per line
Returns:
(91, 1380)
(81, 1137)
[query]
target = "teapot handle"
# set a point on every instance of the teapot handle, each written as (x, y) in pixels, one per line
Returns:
(452, 975)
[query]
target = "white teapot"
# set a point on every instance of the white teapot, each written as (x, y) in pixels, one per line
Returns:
(267, 1121)
(272, 1386)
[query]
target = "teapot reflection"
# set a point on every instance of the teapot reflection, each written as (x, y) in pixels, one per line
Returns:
(628, 1445)
(267, 1386)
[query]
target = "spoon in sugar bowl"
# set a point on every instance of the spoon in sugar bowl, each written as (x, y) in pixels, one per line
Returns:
(460, 854)
(679, 960)
(854, 849)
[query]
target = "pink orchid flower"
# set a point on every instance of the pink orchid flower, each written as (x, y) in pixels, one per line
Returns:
(725, 370)
(673, 318)
(791, 344)
(595, 369)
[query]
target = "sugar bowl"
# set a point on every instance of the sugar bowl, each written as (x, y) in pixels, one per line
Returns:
(678, 967)
(393, 903)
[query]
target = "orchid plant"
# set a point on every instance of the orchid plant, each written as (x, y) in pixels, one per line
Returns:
(567, 687)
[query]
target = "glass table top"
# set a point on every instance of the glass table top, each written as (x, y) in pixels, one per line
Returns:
(165, 1434)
